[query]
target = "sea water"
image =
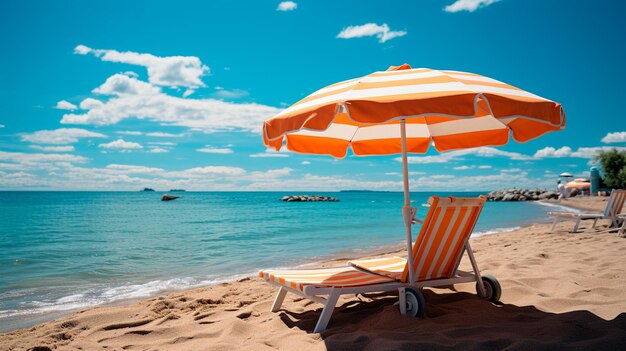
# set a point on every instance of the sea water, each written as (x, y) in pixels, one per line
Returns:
(63, 251)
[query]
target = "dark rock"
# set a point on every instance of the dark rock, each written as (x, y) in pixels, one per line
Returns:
(522, 195)
(308, 198)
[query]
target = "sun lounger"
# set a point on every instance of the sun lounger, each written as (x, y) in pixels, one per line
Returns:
(612, 212)
(436, 255)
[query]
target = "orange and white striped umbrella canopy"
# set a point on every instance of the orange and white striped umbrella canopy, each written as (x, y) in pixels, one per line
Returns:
(455, 110)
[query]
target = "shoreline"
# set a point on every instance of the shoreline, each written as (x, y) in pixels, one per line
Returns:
(142, 290)
(249, 296)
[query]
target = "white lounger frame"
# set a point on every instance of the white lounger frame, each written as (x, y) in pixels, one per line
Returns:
(313, 292)
(609, 213)
(622, 230)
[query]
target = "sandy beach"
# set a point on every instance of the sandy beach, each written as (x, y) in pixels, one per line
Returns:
(560, 291)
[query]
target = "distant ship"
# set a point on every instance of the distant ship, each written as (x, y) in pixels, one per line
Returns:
(177, 190)
(148, 189)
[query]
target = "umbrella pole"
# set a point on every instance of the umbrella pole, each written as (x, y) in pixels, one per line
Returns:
(406, 209)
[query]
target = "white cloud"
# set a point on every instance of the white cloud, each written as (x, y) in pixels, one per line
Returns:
(270, 153)
(121, 144)
(490, 152)
(90, 103)
(206, 115)
(465, 167)
(230, 94)
(320, 183)
(617, 137)
(152, 134)
(485, 151)
(157, 150)
(188, 92)
(382, 32)
(441, 176)
(58, 171)
(129, 132)
(272, 173)
(33, 158)
(549, 151)
(131, 169)
(66, 148)
(443, 158)
(581, 152)
(209, 170)
(165, 135)
(305, 163)
(135, 177)
(171, 71)
(65, 105)
(591, 152)
(468, 5)
(215, 150)
(82, 50)
(11, 167)
(164, 143)
(119, 84)
(60, 136)
(480, 182)
(287, 6)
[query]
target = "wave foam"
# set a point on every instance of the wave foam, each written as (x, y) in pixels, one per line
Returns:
(561, 208)
(101, 295)
(495, 231)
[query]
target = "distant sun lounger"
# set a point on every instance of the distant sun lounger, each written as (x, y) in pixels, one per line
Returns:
(612, 211)
(436, 255)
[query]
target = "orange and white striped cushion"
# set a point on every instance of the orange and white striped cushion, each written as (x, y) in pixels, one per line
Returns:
(440, 243)
(391, 267)
(326, 277)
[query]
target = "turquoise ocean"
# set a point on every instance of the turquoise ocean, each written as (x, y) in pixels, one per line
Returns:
(63, 251)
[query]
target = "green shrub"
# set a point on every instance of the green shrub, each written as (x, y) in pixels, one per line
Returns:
(614, 167)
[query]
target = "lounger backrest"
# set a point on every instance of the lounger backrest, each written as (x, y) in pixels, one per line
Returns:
(615, 204)
(439, 245)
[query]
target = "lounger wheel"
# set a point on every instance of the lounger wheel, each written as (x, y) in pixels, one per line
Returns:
(415, 303)
(492, 288)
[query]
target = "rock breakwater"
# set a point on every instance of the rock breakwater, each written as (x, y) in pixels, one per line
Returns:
(308, 198)
(522, 195)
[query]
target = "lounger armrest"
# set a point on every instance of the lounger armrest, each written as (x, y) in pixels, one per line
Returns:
(413, 218)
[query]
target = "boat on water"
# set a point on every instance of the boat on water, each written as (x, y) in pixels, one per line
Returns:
(167, 197)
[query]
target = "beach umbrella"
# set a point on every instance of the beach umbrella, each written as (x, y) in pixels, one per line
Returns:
(404, 110)
(576, 184)
(566, 175)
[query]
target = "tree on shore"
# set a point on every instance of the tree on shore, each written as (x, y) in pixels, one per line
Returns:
(614, 167)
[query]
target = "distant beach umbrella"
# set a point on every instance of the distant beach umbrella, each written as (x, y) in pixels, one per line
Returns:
(566, 175)
(404, 110)
(576, 184)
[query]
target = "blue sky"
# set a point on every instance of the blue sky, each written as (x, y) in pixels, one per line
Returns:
(124, 95)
